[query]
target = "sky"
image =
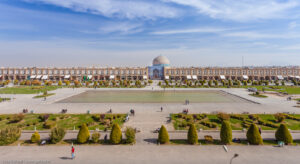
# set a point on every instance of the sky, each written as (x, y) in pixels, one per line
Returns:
(72, 33)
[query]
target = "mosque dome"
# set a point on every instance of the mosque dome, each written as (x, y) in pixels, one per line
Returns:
(161, 60)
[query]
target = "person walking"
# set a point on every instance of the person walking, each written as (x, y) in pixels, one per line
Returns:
(73, 152)
(161, 109)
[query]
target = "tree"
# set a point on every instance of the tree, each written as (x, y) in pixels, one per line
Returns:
(83, 135)
(116, 134)
(283, 134)
(253, 135)
(226, 133)
(57, 134)
(95, 137)
(35, 138)
(130, 135)
(9, 135)
(59, 83)
(192, 135)
(163, 136)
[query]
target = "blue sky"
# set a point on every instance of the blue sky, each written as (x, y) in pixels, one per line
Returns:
(133, 32)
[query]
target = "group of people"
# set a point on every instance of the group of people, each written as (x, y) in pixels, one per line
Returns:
(187, 102)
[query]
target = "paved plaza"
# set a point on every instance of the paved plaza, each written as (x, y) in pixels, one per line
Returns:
(148, 117)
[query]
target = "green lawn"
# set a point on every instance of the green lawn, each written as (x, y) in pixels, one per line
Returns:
(27, 89)
(181, 121)
(4, 99)
(259, 96)
(42, 96)
(67, 121)
(287, 89)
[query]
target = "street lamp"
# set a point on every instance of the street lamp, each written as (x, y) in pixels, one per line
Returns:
(234, 156)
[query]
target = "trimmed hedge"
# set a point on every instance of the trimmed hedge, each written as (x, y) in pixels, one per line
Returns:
(130, 135)
(116, 134)
(163, 136)
(95, 137)
(35, 138)
(83, 135)
(283, 134)
(209, 124)
(253, 135)
(192, 135)
(226, 132)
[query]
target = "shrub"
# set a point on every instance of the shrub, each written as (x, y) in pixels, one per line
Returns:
(16, 118)
(57, 134)
(44, 117)
(279, 117)
(192, 135)
(130, 135)
(223, 116)
(253, 135)
(59, 83)
(49, 124)
(209, 124)
(163, 136)
(283, 134)
(208, 139)
(83, 135)
(35, 138)
(253, 117)
(226, 133)
(9, 135)
(95, 137)
(116, 134)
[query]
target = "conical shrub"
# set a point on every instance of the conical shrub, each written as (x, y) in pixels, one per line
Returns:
(226, 133)
(35, 138)
(57, 134)
(116, 134)
(283, 134)
(163, 136)
(253, 135)
(83, 135)
(192, 135)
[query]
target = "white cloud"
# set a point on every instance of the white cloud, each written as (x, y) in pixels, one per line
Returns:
(186, 31)
(241, 10)
(293, 25)
(117, 8)
(258, 35)
(117, 27)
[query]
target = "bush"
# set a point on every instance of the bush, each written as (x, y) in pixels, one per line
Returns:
(253, 117)
(163, 136)
(44, 117)
(116, 134)
(95, 137)
(49, 124)
(16, 118)
(223, 116)
(57, 134)
(279, 117)
(9, 135)
(209, 124)
(226, 133)
(59, 83)
(83, 135)
(253, 135)
(130, 135)
(35, 138)
(283, 134)
(192, 135)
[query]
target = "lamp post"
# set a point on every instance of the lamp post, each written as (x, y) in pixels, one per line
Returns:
(234, 156)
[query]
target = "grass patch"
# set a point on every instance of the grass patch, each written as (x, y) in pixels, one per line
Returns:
(42, 96)
(4, 99)
(259, 96)
(238, 121)
(28, 89)
(67, 121)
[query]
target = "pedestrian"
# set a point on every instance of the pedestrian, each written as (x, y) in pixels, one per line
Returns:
(73, 152)
(259, 130)
(105, 138)
(161, 109)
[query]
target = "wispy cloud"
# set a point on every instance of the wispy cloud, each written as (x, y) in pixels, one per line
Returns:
(293, 25)
(260, 35)
(117, 27)
(117, 8)
(241, 10)
(193, 30)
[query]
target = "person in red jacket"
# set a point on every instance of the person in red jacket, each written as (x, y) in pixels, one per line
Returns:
(73, 152)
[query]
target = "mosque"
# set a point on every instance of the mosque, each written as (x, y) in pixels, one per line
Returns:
(160, 70)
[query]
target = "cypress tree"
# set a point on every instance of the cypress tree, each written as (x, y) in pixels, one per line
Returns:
(192, 135)
(83, 135)
(163, 136)
(283, 134)
(253, 135)
(116, 134)
(226, 133)
(35, 138)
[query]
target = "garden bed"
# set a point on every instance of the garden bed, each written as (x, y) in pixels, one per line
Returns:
(67, 121)
(238, 121)
(27, 89)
